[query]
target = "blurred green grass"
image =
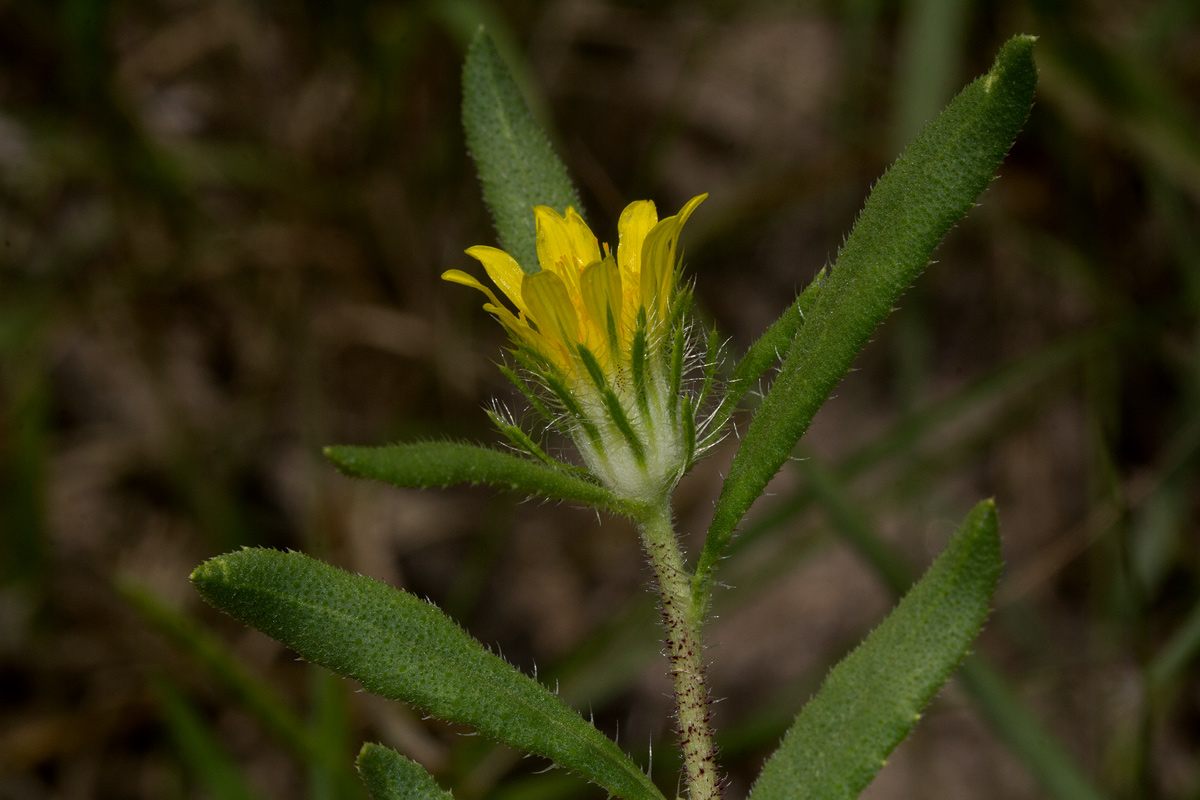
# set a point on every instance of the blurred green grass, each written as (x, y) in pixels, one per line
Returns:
(223, 224)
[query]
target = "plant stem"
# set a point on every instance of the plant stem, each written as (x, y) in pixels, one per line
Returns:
(686, 654)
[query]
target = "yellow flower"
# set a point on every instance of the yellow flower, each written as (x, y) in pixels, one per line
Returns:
(581, 297)
(602, 332)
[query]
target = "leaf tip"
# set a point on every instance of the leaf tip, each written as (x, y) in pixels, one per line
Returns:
(986, 511)
(984, 527)
(1014, 62)
(340, 456)
(482, 47)
(479, 40)
(371, 752)
(210, 575)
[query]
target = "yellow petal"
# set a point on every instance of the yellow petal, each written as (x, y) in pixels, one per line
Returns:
(553, 242)
(494, 306)
(503, 269)
(565, 245)
(460, 277)
(518, 328)
(658, 261)
(551, 308)
(583, 241)
(600, 285)
(636, 221)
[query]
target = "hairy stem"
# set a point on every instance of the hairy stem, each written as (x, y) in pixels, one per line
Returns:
(685, 651)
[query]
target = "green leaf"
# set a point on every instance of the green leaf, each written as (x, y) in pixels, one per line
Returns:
(873, 697)
(390, 776)
(932, 185)
(518, 168)
(1010, 719)
(439, 464)
(403, 648)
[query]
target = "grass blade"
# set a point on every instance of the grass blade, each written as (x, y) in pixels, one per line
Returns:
(1182, 648)
(247, 689)
(1041, 753)
(201, 748)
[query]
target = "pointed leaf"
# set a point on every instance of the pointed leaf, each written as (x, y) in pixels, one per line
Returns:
(425, 465)
(932, 185)
(390, 776)
(999, 704)
(518, 168)
(873, 697)
(404, 648)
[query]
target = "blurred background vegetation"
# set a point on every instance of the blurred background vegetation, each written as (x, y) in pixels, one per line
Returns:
(223, 223)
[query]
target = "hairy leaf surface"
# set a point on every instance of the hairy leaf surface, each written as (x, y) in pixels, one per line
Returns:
(404, 648)
(425, 465)
(929, 188)
(390, 776)
(518, 168)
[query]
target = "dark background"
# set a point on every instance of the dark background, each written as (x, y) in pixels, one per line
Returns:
(223, 224)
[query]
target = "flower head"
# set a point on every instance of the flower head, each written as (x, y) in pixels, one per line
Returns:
(604, 333)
